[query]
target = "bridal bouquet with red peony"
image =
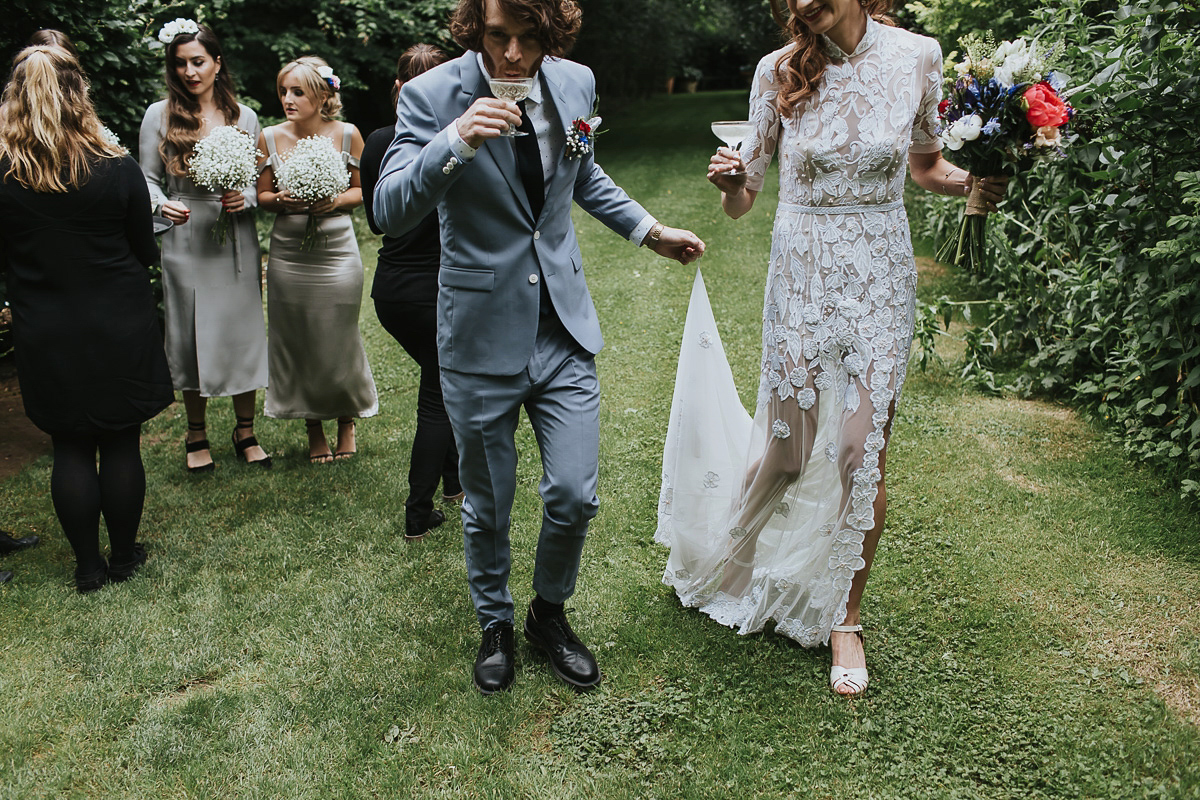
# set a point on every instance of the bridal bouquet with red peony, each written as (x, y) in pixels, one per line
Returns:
(1004, 110)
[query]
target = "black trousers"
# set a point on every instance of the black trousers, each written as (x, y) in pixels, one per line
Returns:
(434, 455)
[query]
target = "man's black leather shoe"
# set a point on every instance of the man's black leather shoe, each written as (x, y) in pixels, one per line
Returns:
(5, 576)
(10, 545)
(494, 666)
(569, 658)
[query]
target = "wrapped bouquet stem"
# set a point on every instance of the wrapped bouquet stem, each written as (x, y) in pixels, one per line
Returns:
(969, 246)
(313, 171)
(1002, 113)
(225, 160)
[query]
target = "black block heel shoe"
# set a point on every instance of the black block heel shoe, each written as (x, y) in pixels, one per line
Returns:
(196, 447)
(241, 445)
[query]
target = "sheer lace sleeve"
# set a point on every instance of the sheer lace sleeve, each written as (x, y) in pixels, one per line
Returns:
(924, 132)
(764, 117)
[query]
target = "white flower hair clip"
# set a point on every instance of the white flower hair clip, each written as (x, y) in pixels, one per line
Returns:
(326, 73)
(176, 27)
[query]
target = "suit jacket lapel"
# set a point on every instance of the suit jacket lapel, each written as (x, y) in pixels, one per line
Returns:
(500, 150)
(555, 94)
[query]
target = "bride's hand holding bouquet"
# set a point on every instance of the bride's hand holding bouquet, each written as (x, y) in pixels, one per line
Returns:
(1003, 112)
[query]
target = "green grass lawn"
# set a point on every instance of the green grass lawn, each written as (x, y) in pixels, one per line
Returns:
(1032, 625)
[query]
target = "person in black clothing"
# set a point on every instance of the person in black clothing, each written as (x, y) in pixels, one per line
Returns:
(405, 294)
(76, 243)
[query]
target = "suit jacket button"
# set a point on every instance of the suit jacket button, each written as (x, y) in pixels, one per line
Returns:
(533, 278)
(446, 170)
(537, 235)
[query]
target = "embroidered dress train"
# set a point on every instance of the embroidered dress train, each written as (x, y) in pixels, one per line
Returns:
(765, 517)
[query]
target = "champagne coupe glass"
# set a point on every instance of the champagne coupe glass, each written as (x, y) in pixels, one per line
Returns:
(733, 133)
(514, 89)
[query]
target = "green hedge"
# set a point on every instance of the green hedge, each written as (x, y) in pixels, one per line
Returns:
(1095, 280)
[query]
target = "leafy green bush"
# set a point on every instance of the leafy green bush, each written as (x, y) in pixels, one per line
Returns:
(360, 39)
(950, 20)
(1094, 278)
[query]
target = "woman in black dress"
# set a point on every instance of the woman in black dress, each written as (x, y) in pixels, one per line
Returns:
(76, 242)
(405, 294)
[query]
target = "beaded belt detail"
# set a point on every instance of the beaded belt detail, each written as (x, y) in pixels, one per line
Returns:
(866, 209)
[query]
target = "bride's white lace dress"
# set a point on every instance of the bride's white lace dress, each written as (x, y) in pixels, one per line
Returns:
(765, 517)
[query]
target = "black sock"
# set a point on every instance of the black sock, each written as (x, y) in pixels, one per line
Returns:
(545, 610)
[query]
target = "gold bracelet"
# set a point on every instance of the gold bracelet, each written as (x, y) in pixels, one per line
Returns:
(655, 231)
(946, 181)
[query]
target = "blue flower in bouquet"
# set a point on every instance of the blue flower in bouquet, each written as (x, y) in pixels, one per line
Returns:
(991, 127)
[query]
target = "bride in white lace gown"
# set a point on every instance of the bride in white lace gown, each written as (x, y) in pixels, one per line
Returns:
(778, 517)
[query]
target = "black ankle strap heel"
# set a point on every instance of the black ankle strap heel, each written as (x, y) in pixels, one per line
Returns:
(241, 445)
(196, 447)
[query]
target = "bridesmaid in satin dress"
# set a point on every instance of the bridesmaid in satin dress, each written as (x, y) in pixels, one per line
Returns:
(216, 341)
(318, 367)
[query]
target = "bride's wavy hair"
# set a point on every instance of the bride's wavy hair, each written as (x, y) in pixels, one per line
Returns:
(49, 131)
(801, 72)
(183, 109)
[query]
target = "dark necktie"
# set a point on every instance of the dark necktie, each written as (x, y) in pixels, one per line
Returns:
(529, 164)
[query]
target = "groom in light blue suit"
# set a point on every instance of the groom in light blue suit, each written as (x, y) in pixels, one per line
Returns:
(516, 324)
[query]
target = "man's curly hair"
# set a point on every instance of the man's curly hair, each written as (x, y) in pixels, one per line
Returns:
(555, 23)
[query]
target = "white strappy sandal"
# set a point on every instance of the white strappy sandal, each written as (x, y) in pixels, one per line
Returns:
(853, 678)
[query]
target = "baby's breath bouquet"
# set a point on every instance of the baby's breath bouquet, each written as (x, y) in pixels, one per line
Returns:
(313, 171)
(1004, 110)
(111, 138)
(225, 160)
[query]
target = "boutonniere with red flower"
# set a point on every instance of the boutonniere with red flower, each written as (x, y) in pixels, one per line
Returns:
(581, 136)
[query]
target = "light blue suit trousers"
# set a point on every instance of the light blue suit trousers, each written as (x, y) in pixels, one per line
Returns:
(561, 396)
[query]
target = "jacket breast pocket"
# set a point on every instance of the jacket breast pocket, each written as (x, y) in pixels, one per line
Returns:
(480, 280)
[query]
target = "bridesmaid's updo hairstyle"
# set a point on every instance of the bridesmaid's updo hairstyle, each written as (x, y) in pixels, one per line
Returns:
(412, 62)
(50, 133)
(801, 74)
(305, 69)
(183, 109)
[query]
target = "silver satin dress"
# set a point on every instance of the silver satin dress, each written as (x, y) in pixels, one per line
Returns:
(318, 366)
(215, 339)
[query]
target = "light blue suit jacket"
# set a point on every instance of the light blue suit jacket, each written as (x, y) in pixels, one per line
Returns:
(492, 247)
